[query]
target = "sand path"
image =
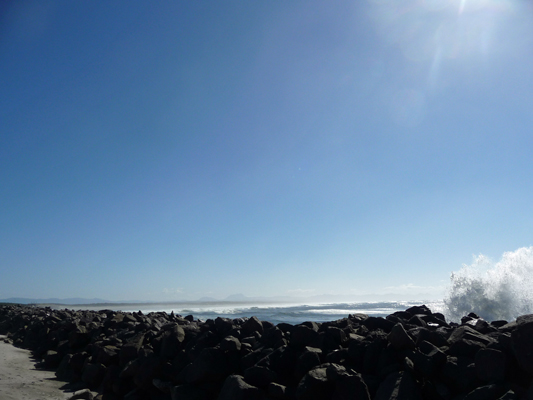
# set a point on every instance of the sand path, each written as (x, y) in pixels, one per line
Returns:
(19, 380)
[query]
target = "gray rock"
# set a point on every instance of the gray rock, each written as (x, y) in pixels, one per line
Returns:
(52, 359)
(309, 359)
(351, 387)
(400, 339)
(78, 337)
(277, 391)
(130, 350)
(373, 323)
(84, 394)
(490, 365)
(489, 392)
(260, 376)
(302, 336)
(231, 344)
(235, 388)
(522, 343)
(193, 392)
(398, 386)
(459, 374)
(509, 395)
(93, 374)
(210, 366)
(314, 385)
(334, 337)
(252, 325)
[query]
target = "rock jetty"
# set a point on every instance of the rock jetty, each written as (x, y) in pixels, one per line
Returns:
(412, 354)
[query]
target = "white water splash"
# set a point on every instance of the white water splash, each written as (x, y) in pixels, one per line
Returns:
(494, 291)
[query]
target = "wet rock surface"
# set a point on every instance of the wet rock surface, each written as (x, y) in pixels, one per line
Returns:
(412, 354)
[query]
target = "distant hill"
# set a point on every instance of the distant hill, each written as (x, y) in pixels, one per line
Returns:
(70, 301)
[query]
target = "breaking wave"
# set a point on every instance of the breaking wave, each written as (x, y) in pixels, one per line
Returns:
(494, 291)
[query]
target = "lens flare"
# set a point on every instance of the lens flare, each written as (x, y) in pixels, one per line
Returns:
(461, 27)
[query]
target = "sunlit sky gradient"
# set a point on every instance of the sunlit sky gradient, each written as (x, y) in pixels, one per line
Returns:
(179, 149)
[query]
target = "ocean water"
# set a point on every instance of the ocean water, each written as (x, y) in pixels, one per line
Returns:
(276, 313)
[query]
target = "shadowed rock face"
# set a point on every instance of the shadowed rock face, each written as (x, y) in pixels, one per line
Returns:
(412, 354)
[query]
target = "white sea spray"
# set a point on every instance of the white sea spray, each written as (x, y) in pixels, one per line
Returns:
(494, 291)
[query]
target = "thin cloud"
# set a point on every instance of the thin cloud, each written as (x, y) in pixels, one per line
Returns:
(407, 287)
(168, 291)
(300, 291)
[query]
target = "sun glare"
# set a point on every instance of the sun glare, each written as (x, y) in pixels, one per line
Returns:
(462, 6)
(442, 40)
(451, 29)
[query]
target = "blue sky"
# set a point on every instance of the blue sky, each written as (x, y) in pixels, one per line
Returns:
(176, 149)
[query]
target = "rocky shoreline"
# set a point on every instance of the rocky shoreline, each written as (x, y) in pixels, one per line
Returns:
(411, 354)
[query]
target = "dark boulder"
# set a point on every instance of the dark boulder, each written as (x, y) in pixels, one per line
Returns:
(78, 337)
(308, 359)
(230, 344)
(252, 325)
(130, 350)
(522, 342)
(436, 337)
(52, 359)
(210, 366)
(171, 341)
(398, 386)
(314, 385)
(223, 325)
(235, 388)
(260, 376)
(334, 338)
(303, 336)
(488, 392)
(349, 385)
(93, 374)
(490, 365)
(414, 310)
(459, 374)
(400, 339)
(194, 392)
(373, 323)
(277, 391)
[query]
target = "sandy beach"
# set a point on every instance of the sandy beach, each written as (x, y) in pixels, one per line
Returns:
(20, 380)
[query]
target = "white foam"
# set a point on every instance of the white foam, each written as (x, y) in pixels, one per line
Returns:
(494, 291)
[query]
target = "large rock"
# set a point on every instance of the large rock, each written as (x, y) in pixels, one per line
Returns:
(235, 388)
(260, 376)
(210, 366)
(487, 392)
(310, 358)
(252, 325)
(349, 385)
(230, 344)
(79, 337)
(302, 336)
(459, 374)
(93, 374)
(399, 338)
(314, 385)
(131, 349)
(490, 365)
(398, 386)
(172, 338)
(522, 342)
